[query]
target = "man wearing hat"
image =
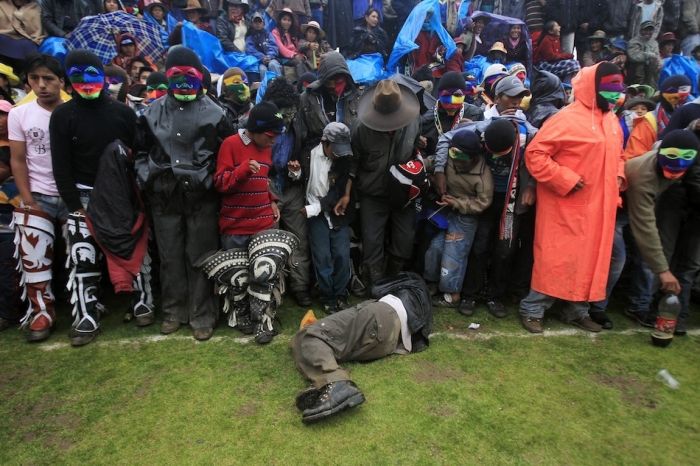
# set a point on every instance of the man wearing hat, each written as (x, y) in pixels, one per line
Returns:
(231, 27)
(497, 53)
(643, 59)
(330, 211)
(385, 137)
(312, 45)
(397, 321)
(80, 130)
(260, 44)
(644, 130)
(179, 137)
(596, 52)
(667, 44)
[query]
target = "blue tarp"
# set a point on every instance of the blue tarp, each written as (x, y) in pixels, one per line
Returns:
(212, 54)
(54, 46)
(678, 64)
(368, 69)
(405, 41)
(497, 30)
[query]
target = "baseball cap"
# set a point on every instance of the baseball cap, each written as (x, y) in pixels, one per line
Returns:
(258, 15)
(339, 136)
(647, 25)
(511, 86)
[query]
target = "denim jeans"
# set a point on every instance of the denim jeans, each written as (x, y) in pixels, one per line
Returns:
(52, 205)
(641, 277)
(273, 65)
(447, 256)
(330, 253)
(535, 303)
(235, 241)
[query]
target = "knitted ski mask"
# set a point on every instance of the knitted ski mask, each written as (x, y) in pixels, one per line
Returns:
(235, 86)
(609, 87)
(85, 73)
(675, 89)
(451, 92)
(184, 73)
(677, 153)
(156, 86)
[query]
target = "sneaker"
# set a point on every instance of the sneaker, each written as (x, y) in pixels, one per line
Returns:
(496, 308)
(467, 306)
(601, 318)
(444, 300)
(532, 324)
(586, 323)
(645, 319)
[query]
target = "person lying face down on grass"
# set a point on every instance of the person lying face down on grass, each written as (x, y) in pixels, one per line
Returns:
(397, 321)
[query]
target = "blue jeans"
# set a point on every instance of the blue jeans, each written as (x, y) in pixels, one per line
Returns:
(535, 303)
(330, 253)
(447, 256)
(52, 205)
(641, 277)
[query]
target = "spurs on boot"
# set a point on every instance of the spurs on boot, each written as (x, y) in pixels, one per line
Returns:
(334, 398)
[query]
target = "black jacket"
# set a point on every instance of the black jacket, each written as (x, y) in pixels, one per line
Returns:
(547, 97)
(410, 288)
(564, 12)
(59, 17)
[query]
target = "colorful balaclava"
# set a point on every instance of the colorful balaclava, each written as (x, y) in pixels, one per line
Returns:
(451, 92)
(156, 86)
(184, 73)
(677, 153)
(235, 86)
(675, 89)
(609, 87)
(85, 73)
(464, 150)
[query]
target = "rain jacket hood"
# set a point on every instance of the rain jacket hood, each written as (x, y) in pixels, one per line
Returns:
(548, 97)
(332, 64)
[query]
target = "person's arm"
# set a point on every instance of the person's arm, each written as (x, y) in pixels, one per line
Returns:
(272, 51)
(635, 53)
(472, 205)
(230, 171)
(284, 50)
(62, 160)
(344, 201)
(18, 162)
(251, 49)
(542, 166)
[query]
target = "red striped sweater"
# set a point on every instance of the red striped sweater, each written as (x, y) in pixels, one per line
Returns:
(245, 197)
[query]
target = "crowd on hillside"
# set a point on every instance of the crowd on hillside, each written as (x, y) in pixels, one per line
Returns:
(559, 163)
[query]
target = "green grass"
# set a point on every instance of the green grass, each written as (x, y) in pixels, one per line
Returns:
(508, 399)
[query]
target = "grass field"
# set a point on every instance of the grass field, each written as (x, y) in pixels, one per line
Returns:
(491, 396)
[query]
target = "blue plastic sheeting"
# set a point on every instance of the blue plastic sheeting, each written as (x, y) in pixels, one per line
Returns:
(476, 67)
(212, 55)
(54, 46)
(269, 76)
(367, 69)
(678, 64)
(497, 29)
(164, 31)
(405, 41)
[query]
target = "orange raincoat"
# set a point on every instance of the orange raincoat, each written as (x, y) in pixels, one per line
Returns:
(574, 231)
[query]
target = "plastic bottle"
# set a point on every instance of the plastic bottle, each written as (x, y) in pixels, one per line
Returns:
(669, 308)
(665, 376)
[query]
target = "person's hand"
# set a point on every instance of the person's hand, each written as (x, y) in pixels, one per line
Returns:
(293, 166)
(440, 183)
(253, 166)
(422, 142)
(694, 126)
(302, 211)
(275, 211)
(509, 111)
(578, 186)
(669, 283)
(448, 200)
(313, 46)
(266, 60)
(341, 205)
(529, 196)
(620, 183)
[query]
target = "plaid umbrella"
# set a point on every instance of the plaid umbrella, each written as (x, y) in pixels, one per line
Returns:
(98, 34)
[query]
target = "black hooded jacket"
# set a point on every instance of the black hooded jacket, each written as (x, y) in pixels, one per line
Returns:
(410, 288)
(547, 98)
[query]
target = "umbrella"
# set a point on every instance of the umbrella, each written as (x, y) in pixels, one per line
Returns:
(98, 34)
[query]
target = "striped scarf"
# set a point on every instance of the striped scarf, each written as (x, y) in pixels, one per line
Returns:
(505, 229)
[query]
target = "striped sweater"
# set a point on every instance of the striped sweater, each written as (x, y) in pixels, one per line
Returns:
(245, 197)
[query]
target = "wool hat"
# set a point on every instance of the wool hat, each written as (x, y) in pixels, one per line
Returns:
(264, 117)
(235, 71)
(182, 56)
(82, 57)
(156, 78)
(339, 136)
(452, 80)
(499, 135)
(681, 139)
(467, 141)
(672, 83)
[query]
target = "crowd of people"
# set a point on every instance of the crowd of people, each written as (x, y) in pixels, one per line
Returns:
(564, 165)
